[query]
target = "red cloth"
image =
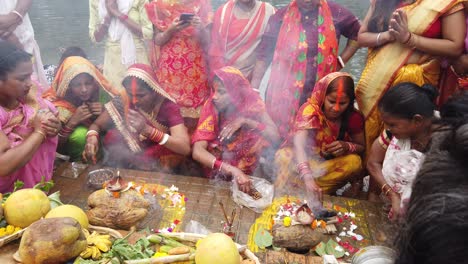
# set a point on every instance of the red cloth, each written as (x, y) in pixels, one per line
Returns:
(243, 150)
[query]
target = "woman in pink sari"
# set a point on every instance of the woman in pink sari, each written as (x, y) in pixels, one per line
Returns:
(28, 124)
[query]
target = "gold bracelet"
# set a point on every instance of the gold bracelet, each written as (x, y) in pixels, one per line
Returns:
(41, 133)
(383, 187)
(389, 189)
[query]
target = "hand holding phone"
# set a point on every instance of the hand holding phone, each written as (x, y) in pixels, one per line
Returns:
(186, 17)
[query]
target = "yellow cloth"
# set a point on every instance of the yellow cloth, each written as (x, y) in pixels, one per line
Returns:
(114, 70)
(427, 73)
(386, 64)
(335, 172)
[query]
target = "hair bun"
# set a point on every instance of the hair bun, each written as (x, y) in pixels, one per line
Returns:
(430, 91)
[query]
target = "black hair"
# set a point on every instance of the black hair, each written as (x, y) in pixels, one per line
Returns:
(455, 111)
(405, 100)
(381, 17)
(10, 57)
(72, 51)
(349, 91)
(127, 81)
(436, 222)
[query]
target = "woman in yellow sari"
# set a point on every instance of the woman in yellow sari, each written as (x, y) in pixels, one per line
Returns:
(79, 91)
(404, 39)
(329, 136)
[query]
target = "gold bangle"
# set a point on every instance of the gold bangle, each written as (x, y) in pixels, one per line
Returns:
(383, 187)
(41, 133)
(389, 189)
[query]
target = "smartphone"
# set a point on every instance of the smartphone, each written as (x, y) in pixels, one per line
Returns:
(186, 17)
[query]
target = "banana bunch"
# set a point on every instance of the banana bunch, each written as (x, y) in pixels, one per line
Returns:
(96, 245)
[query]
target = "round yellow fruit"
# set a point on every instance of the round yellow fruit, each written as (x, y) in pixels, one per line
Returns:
(26, 206)
(217, 248)
(69, 210)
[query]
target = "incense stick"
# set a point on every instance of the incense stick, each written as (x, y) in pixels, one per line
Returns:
(224, 212)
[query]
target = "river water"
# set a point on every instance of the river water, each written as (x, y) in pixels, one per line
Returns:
(62, 23)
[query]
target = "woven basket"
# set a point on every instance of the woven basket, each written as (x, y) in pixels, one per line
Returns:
(7, 239)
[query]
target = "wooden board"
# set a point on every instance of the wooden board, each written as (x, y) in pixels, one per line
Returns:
(284, 257)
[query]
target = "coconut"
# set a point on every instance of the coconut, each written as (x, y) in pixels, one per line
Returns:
(217, 248)
(26, 206)
(69, 210)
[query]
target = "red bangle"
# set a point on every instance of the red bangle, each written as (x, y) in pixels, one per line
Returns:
(156, 135)
(123, 17)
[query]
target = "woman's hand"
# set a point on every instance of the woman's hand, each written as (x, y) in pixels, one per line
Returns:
(196, 23)
(230, 129)
(177, 25)
(399, 26)
(396, 211)
(8, 24)
(136, 121)
(51, 125)
(112, 8)
(312, 187)
(81, 114)
(337, 148)
(241, 178)
(39, 119)
(91, 149)
(95, 108)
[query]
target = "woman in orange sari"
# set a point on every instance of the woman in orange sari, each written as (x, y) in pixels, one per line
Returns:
(238, 26)
(79, 91)
(328, 139)
(234, 129)
(405, 46)
(145, 128)
(181, 65)
(301, 43)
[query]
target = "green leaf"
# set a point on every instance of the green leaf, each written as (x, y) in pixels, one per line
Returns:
(320, 249)
(55, 200)
(44, 186)
(263, 238)
(18, 185)
(331, 249)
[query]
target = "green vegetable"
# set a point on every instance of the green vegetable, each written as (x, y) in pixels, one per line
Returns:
(162, 240)
(263, 238)
(167, 259)
(122, 250)
(165, 248)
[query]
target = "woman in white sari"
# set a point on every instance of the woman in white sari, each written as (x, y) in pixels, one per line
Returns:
(238, 27)
(126, 26)
(16, 28)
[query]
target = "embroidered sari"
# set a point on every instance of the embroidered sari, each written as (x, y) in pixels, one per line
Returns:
(181, 65)
(290, 60)
(244, 150)
(144, 154)
(16, 124)
(330, 174)
(234, 40)
(59, 94)
(386, 66)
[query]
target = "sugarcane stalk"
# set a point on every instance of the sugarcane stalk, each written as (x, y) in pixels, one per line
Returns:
(165, 259)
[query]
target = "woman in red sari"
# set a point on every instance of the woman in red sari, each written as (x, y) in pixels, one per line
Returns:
(234, 129)
(181, 64)
(146, 121)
